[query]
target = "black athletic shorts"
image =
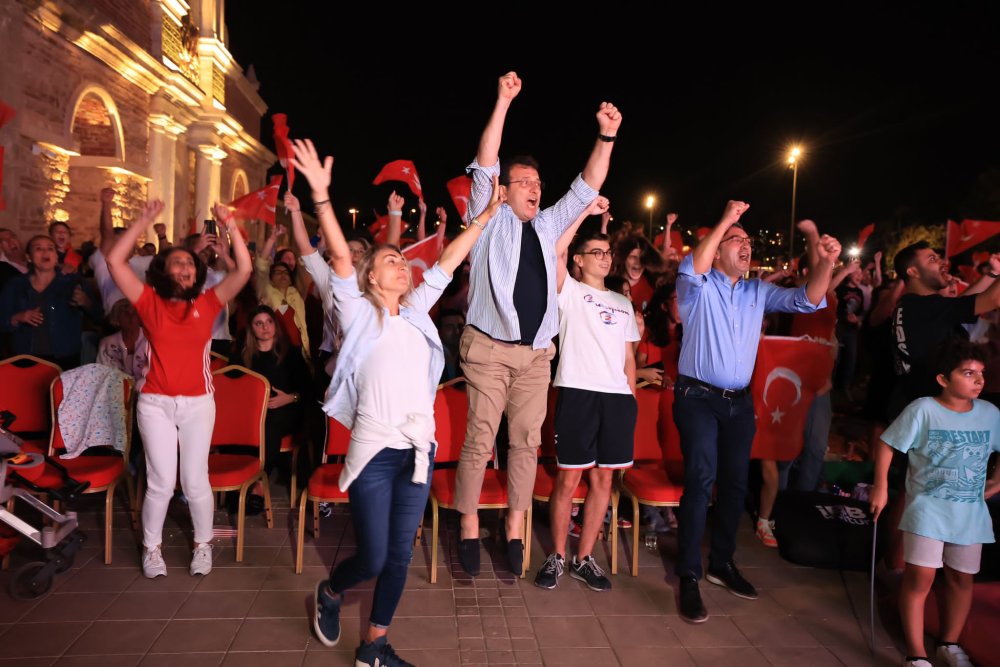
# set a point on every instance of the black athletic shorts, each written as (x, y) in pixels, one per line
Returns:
(594, 428)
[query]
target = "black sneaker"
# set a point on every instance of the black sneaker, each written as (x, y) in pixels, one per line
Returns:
(692, 608)
(590, 573)
(468, 556)
(551, 570)
(515, 556)
(729, 577)
(378, 653)
(326, 620)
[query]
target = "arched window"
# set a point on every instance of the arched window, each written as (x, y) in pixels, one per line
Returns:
(96, 126)
(241, 185)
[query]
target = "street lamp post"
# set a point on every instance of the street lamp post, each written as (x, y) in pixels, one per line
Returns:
(793, 162)
(354, 217)
(650, 201)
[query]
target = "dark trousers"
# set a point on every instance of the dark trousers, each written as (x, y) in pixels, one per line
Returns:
(716, 435)
(386, 507)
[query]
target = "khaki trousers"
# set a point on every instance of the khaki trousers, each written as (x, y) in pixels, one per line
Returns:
(501, 377)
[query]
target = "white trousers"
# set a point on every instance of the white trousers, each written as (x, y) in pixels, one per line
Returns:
(170, 425)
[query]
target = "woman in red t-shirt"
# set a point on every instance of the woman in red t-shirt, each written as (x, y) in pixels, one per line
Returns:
(176, 409)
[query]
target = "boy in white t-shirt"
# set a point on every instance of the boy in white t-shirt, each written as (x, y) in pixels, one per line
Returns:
(948, 440)
(596, 408)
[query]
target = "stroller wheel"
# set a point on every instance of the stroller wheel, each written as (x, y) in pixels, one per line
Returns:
(31, 580)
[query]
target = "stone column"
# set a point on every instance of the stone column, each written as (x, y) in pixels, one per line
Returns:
(162, 164)
(207, 181)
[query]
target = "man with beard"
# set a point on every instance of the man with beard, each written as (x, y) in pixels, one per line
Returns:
(924, 320)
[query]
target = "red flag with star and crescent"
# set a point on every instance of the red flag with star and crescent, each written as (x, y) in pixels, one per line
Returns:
(788, 374)
(259, 204)
(968, 233)
(6, 114)
(380, 229)
(283, 146)
(421, 256)
(460, 189)
(401, 170)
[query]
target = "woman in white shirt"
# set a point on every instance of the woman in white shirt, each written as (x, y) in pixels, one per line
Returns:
(390, 347)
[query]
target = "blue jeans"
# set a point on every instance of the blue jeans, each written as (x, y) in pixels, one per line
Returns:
(805, 472)
(386, 507)
(716, 435)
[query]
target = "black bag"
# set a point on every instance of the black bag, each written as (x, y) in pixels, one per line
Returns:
(823, 530)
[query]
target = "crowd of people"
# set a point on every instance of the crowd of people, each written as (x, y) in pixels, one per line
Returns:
(338, 328)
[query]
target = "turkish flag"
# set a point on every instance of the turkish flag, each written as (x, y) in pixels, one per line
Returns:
(864, 234)
(460, 189)
(421, 257)
(969, 233)
(258, 205)
(6, 114)
(283, 146)
(788, 374)
(401, 170)
(380, 229)
(702, 232)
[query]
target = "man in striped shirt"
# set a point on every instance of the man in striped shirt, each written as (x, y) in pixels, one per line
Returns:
(506, 349)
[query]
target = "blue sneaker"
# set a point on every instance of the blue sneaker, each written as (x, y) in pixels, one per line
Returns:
(379, 653)
(326, 621)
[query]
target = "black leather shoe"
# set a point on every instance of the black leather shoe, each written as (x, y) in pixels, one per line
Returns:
(692, 608)
(468, 556)
(730, 578)
(515, 556)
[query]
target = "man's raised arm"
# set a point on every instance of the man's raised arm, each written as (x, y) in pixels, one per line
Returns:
(704, 253)
(489, 144)
(609, 119)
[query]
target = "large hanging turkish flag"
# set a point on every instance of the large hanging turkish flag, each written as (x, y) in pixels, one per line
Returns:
(788, 374)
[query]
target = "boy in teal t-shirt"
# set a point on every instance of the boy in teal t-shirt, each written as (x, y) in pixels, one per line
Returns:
(948, 440)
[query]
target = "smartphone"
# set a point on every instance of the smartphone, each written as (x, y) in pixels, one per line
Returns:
(209, 227)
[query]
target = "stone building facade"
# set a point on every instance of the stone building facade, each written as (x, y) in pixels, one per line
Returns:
(139, 95)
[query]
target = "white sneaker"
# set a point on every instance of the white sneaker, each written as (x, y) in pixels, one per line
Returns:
(152, 563)
(917, 663)
(954, 656)
(201, 560)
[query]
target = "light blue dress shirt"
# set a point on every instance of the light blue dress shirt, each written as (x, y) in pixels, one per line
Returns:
(722, 322)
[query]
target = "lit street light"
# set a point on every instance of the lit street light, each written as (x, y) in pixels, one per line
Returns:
(650, 201)
(354, 217)
(793, 162)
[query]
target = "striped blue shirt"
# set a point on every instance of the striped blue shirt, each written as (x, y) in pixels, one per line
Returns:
(497, 252)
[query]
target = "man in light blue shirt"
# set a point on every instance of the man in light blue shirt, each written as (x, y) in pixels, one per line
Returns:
(722, 315)
(507, 347)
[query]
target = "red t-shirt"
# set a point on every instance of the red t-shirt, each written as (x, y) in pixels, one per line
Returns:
(820, 324)
(180, 336)
(642, 292)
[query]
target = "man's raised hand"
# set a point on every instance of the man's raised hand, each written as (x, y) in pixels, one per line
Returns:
(292, 203)
(599, 206)
(307, 162)
(828, 248)
(734, 211)
(609, 119)
(509, 86)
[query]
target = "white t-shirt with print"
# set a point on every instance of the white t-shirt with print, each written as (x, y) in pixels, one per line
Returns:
(110, 294)
(594, 326)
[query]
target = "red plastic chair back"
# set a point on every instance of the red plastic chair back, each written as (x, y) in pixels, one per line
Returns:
(240, 407)
(451, 406)
(56, 443)
(338, 438)
(24, 391)
(647, 442)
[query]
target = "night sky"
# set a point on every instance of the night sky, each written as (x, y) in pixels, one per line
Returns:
(898, 115)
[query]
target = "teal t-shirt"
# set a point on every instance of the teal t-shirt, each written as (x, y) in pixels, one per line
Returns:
(946, 478)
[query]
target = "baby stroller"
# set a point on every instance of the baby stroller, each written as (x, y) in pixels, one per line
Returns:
(61, 540)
